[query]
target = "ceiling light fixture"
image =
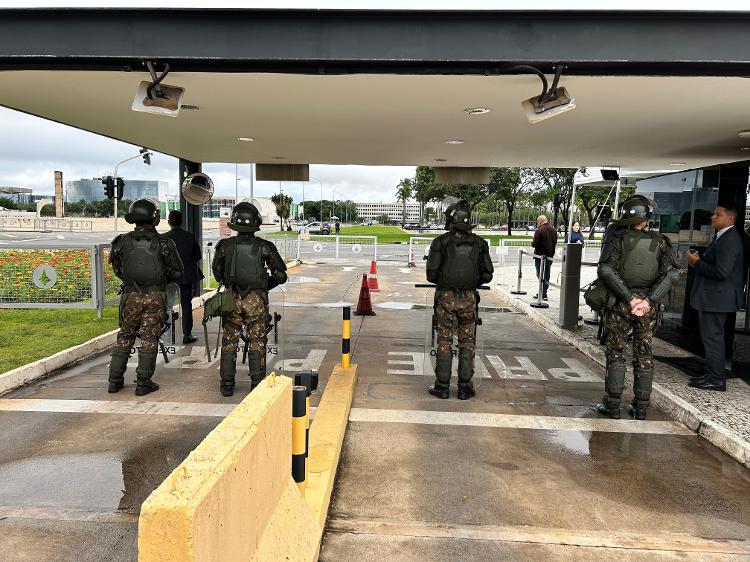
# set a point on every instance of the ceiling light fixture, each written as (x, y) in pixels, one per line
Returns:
(553, 100)
(188, 107)
(744, 134)
(441, 159)
(745, 148)
(279, 157)
(477, 110)
(245, 139)
(678, 163)
(455, 141)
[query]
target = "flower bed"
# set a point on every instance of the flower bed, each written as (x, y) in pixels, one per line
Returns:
(72, 268)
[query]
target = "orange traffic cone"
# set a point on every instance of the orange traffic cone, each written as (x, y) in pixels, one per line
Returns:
(364, 305)
(373, 281)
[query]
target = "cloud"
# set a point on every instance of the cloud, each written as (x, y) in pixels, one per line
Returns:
(33, 148)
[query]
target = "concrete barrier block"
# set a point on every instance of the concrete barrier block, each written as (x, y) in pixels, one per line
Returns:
(232, 490)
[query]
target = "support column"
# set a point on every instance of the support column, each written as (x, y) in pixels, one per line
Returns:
(192, 214)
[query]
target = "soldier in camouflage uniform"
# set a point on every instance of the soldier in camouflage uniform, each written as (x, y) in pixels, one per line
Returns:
(145, 261)
(241, 264)
(638, 268)
(458, 263)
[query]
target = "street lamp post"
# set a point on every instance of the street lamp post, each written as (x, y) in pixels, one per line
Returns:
(146, 158)
(321, 197)
(333, 194)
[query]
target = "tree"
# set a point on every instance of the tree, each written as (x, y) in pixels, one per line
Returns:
(506, 186)
(403, 193)
(424, 187)
(590, 197)
(383, 219)
(430, 213)
(283, 204)
(553, 185)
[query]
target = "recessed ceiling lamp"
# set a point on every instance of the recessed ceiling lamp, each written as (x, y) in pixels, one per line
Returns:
(441, 159)
(279, 157)
(551, 102)
(245, 139)
(188, 107)
(477, 110)
(678, 163)
(745, 148)
(455, 141)
(744, 134)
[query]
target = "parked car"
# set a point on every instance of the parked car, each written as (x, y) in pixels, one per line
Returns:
(530, 228)
(318, 228)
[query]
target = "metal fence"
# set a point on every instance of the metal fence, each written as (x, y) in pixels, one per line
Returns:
(322, 247)
(419, 248)
(57, 276)
(37, 224)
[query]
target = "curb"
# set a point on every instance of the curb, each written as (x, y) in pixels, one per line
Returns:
(733, 445)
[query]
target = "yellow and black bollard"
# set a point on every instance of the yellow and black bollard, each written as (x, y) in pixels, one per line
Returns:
(346, 337)
(299, 436)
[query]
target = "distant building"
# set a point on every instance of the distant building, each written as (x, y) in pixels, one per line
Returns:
(17, 194)
(265, 206)
(371, 211)
(93, 190)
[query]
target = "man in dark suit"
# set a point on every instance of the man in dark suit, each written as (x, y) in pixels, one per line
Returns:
(190, 253)
(717, 292)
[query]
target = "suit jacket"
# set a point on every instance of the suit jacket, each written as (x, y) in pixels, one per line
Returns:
(190, 253)
(719, 275)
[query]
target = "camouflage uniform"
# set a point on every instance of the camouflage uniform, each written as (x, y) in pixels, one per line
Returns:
(457, 273)
(142, 309)
(250, 311)
(621, 322)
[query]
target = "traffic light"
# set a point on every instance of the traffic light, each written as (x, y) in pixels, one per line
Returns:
(109, 187)
(120, 188)
(146, 156)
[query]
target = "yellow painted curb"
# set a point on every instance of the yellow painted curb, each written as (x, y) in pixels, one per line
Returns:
(326, 439)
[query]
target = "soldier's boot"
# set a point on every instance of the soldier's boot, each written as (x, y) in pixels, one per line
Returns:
(614, 382)
(117, 368)
(465, 373)
(443, 367)
(144, 372)
(642, 381)
(257, 368)
(227, 370)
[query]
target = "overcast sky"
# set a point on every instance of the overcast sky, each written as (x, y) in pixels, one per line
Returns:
(31, 149)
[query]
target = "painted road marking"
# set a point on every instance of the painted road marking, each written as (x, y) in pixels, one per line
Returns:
(313, 361)
(609, 538)
(513, 421)
(115, 407)
(419, 363)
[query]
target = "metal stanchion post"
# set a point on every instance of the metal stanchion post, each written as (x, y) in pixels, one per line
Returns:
(542, 269)
(518, 290)
(345, 337)
(299, 432)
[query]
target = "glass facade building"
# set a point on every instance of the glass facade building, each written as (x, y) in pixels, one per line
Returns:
(93, 190)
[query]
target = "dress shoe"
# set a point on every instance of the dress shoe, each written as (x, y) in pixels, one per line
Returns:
(438, 391)
(706, 385)
(189, 339)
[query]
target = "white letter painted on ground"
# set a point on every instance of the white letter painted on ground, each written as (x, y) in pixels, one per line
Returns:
(575, 372)
(313, 361)
(526, 370)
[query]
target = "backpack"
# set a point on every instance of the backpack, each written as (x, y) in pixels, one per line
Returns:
(141, 262)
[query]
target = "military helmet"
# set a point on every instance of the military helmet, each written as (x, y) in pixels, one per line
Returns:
(458, 214)
(245, 218)
(634, 210)
(143, 211)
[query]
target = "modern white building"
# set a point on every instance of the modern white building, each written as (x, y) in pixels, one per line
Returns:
(371, 211)
(93, 190)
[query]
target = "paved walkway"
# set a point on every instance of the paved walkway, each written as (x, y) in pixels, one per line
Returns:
(526, 470)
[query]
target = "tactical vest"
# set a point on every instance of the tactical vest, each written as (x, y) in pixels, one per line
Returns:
(639, 264)
(245, 267)
(460, 265)
(141, 262)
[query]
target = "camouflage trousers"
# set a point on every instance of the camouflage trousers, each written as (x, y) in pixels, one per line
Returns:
(460, 307)
(619, 324)
(141, 314)
(250, 311)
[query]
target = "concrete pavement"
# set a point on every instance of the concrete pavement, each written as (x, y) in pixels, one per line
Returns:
(525, 471)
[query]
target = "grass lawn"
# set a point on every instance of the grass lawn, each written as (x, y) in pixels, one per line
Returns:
(28, 335)
(392, 234)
